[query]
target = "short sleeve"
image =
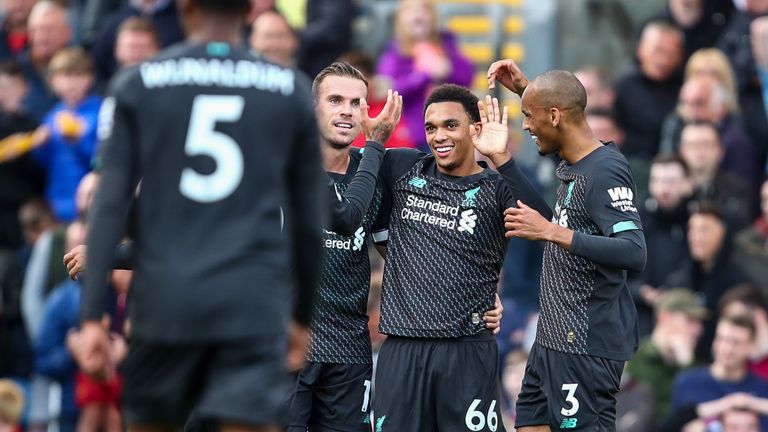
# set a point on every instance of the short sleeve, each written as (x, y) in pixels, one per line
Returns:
(610, 197)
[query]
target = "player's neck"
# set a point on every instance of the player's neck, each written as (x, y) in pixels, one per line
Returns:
(467, 168)
(335, 159)
(214, 29)
(578, 144)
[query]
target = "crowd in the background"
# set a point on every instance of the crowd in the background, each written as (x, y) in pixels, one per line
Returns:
(681, 86)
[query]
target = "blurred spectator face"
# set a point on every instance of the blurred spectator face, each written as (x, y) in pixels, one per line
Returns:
(273, 38)
(338, 109)
(702, 98)
(705, 237)
(686, 13)
(732, 345)
(16, 12)
(700, 148)
(757, 7)
(49, 30)
(417, 19)
(72, 88)
(685, 327)
(668, 184)
(605, 129)
(35, 217)
(133, 47)
(660, 53)
(76, 234)
(737, 420)
(12, 92)
(600, 95)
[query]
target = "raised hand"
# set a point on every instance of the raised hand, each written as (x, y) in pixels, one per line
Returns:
(379, 129)
(491, 140)
(508, 73)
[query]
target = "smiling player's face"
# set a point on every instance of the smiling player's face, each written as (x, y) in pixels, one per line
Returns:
(447, 127)
(338, 109)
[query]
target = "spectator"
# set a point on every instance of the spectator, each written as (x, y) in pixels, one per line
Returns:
(751, 250)
(747, 300)
(699, 21)
(49, 32)
(604, 126)
(93, 15)
(377, 98)
(273, 37)
(599, 87)
(655, 84)
(737, 46)
(136, 41)
(711, 271)
(14, 347)
(66, 156)
(711, 62)
(704, 98)
(665, 218)
(670, 348)
(163, 15)
(20, 178)
(702, 151)
(600, 32)
(11, 405)
(511, 383)
(419, 58)
(759, 31)
(327, 34)
(13, 27)
(726, 383)
(35, 218)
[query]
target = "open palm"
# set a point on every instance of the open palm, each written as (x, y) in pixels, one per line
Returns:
(492, 138)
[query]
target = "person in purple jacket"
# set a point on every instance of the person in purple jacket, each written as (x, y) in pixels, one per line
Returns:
(419, 58)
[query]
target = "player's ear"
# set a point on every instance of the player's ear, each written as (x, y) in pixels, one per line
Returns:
(554, 116)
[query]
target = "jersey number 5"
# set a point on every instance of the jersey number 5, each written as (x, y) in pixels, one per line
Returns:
(203, 139)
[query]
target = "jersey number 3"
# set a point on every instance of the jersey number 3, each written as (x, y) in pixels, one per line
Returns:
(203, 139)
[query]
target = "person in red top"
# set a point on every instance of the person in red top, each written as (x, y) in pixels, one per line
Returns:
(377, 98)
(13, 27)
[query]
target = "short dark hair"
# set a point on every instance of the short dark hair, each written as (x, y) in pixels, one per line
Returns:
(709, 208)
(229, 7)
(741, 321)
(746, 294)
(671, 158)
(458, 94)
(11, 68)
(138, 24)
(340, 69)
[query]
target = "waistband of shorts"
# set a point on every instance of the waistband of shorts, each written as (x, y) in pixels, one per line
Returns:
(483, 336)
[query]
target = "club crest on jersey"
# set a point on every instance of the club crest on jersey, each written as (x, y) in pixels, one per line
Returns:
(470, 197)
(621, 198)
(417, 182)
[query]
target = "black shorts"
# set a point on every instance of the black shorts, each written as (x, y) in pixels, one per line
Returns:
(331, 397)
(243, 382)
(446, 385)
(568, 391)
